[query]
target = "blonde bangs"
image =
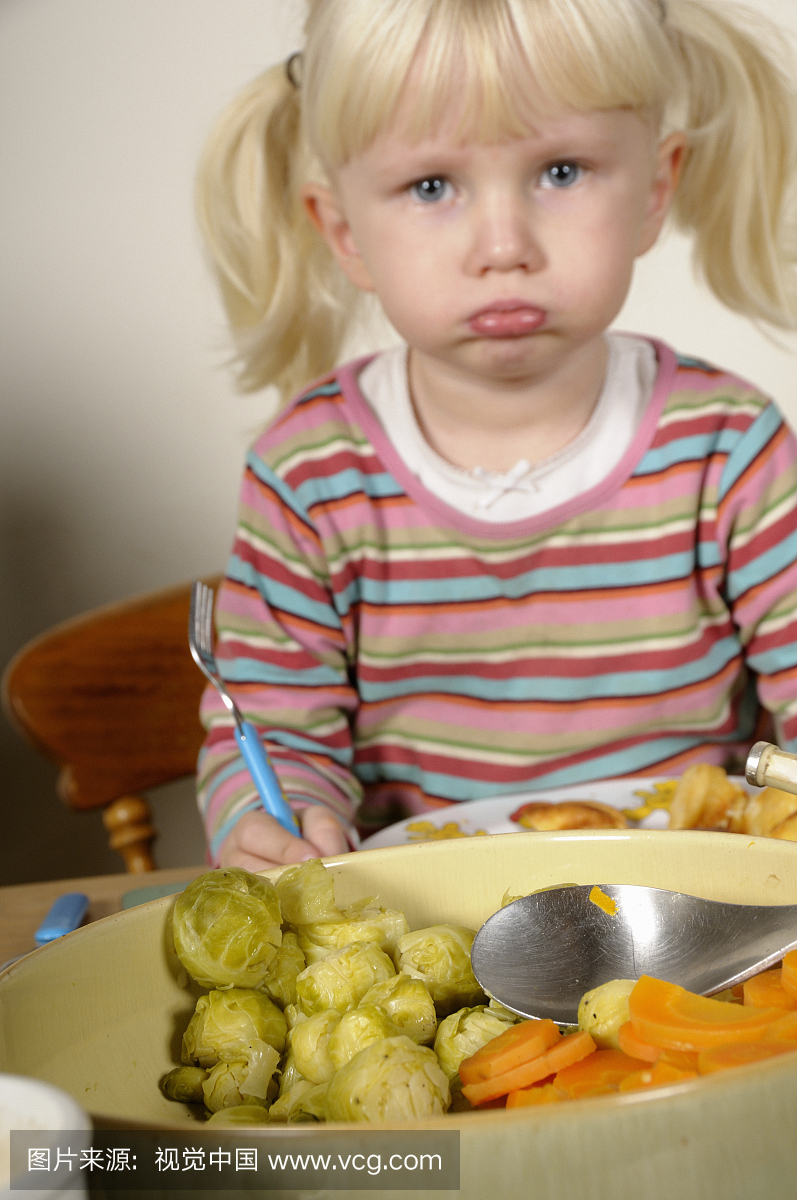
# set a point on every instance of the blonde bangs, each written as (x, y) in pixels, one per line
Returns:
(495, 63)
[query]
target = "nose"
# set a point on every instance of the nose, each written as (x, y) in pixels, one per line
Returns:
(503, 236)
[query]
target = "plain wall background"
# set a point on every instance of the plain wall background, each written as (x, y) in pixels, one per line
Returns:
(121, 435)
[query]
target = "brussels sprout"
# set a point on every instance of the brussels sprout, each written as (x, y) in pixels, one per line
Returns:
(391, 1080)
(227, 928)
(505, 1013)
(362, 924)
(233, 1083)
(303, 1102)
(440, 958)
(341, 980)
(184, 1083)
(307, 893)
(230, 1025)
(603, 1010)
(280, 980)
(293, 1014)
(463, 1033)
(310, 1046)
(356, 1029)
(290, 1073)
(408, 1004)
(240, 1114)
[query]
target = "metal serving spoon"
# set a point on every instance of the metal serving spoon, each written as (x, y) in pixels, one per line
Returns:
(541, 953)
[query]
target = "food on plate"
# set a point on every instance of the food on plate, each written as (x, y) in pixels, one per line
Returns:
(425, 831)
(703, 798)
(440, 958)
(666, 1015)
(229, 1025)
(247, 1080)
(227, 928)
(185, 1083)
(605, 903)
(362, 922)
(770, 813)
(568, 814)
(671, 1036)
(311, 1059)
(237, 1037)
(301, 1102)
(280, 980)
(306, 894)
(656, 795)
(348, 1036)
(462, 1033)
(409, 1005)
(240, 1114)
(356, 1029)
(565, 1051)
(391, 1080)
(603, 1010)
(341, 979)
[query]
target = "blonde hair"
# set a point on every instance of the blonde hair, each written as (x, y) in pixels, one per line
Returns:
(688, 63)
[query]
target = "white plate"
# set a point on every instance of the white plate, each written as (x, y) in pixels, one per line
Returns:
(475, 817)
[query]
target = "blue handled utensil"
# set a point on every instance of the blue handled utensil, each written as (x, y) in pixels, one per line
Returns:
(64, 916)
(200, 640)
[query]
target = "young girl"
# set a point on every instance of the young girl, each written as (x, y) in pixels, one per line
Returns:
(519, 551)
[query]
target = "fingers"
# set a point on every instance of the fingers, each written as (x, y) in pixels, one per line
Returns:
(258, 842)
(324, 831)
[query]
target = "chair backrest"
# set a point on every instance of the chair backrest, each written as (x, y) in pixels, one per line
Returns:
(112, 697)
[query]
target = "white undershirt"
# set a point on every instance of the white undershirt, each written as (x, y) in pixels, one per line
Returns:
(524, 491)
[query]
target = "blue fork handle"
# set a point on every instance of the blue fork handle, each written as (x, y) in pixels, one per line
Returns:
(266, 782)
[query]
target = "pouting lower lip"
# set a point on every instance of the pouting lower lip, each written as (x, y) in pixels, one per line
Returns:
(507, 322)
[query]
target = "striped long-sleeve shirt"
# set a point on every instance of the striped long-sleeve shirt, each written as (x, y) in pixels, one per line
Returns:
(388, 646)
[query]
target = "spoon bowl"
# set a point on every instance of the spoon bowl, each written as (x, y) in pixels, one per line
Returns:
(540, 954)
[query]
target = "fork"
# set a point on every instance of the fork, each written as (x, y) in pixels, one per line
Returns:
(200, 641)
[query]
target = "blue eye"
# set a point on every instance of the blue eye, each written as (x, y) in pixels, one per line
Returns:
(429, 190)
(562, 175)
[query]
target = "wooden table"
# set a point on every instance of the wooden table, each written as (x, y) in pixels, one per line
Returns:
(23, 907)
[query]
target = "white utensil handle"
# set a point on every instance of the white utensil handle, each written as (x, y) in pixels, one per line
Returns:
(769, 766)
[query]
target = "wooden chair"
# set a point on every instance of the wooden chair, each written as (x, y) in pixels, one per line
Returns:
(112, 697)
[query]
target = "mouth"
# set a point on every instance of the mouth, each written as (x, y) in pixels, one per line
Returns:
(506, 319)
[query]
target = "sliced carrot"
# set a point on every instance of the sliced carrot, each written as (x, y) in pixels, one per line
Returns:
(539, 1094)
(634, 1046)
(784, 1029)
(568, 1050)
(767, 991)
(515, 1046)
(600, 1072)
(789, 978)
(656, 1075)
(738, 1054)
(684, 1060)
(498, 1102)
(666, 1015)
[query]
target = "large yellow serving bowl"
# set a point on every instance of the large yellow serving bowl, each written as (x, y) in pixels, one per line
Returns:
(100, 1014)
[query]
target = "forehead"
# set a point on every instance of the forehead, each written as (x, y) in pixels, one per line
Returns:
(603, 135)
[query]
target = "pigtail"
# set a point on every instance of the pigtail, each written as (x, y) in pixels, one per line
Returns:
(737, 189)
(287, 302)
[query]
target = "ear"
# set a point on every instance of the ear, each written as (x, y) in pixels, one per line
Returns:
(324, 210)
(669, 162)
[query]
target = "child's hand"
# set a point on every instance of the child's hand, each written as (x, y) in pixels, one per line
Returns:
(258, 841)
